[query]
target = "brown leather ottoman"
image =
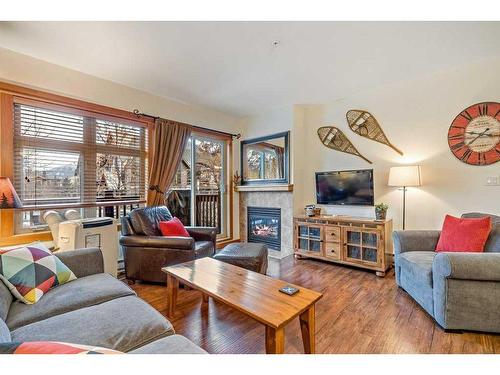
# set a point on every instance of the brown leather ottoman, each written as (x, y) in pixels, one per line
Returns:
(251, 256)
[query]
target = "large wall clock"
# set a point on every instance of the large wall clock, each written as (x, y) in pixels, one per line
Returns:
(474, 135)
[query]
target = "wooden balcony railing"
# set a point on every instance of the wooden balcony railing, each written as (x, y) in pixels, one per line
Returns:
(117, 211)
(208, 210)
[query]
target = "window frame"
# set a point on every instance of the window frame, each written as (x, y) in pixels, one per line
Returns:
(89, 148)
(286, 160)
(10, 94)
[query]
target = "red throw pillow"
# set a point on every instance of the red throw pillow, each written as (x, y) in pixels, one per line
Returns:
(464, 235)
(173, 227)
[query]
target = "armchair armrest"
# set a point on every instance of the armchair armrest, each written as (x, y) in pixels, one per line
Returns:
(180, 243)
(203, 233)
(83, 262)
(467, 266)
(415, 240)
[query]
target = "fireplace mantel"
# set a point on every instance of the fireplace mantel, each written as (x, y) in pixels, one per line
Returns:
(250, 188)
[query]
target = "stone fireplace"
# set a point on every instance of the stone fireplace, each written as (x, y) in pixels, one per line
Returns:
(264, 226)
(272, 200)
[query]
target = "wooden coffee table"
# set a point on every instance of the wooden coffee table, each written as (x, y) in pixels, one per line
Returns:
(251, 293)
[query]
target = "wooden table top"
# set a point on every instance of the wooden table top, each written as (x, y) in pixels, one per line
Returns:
(250, 292)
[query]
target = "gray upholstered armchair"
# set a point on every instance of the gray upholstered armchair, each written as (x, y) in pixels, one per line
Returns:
(146, 251)
(460, 290)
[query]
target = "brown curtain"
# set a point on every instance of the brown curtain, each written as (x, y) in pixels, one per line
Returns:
(170, 139)
(281, 161)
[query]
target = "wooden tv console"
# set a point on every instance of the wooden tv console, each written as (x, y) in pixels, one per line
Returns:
(355, 241)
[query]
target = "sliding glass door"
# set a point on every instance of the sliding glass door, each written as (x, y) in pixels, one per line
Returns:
(198, 195)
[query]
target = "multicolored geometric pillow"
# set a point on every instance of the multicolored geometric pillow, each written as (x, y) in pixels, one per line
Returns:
(50, 347)
(31, 270)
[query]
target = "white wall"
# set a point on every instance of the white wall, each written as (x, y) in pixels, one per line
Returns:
(415, 116)
(267, 123)
(29, 72)
(275, 121)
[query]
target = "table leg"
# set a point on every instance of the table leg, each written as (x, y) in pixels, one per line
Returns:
(205, 297)
(172, 288)
(307, 326)
(275, 340)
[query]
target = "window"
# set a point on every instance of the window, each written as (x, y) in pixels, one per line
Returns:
(203, 203)
(50, 175)
(265, 162)
(66, 157)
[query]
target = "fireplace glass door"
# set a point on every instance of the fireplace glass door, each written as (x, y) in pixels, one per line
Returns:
(264, 226)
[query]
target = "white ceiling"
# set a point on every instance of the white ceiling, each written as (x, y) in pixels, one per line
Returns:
(233, 66)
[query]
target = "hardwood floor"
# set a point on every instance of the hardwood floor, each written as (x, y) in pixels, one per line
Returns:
(359, 313)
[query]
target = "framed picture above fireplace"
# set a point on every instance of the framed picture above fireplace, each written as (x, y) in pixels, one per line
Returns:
(265, 160)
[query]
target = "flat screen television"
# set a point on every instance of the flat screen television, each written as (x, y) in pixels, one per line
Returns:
(345, 187)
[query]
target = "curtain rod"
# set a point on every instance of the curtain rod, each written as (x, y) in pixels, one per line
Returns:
(140, 114)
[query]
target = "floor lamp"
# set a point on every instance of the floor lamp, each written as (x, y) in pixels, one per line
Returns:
(403, 177)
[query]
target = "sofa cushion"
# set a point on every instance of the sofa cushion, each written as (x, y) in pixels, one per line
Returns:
(4, 332)
(83, 262)
(418, 264)
(122, 324)
(86, 291)
(30, 271)
(414, 270)
(51, 347)
(464, 234)
(175, 344)
(6, 299)
(146, 220)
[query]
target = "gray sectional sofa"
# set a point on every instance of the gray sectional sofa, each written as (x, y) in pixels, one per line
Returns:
(461, 291)
(96, 309)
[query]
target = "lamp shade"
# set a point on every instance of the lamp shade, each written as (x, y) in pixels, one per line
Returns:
(408, 175)
(8, 195)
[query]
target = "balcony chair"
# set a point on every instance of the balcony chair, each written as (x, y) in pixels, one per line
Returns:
(146, 251)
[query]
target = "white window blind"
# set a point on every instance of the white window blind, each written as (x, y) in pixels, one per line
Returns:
(42, 124)
(64, 156)
(50, 176)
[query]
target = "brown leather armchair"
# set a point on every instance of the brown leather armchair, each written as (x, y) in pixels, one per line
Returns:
(146, 251)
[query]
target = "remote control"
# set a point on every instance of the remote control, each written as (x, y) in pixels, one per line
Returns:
(290, 290)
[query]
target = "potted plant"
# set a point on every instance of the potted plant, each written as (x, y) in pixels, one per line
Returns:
(381, 211)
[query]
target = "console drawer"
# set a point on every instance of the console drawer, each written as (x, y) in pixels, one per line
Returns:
(332, 250)
(332, 234)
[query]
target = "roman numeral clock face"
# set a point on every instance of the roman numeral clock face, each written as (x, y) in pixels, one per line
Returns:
(474, 135)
